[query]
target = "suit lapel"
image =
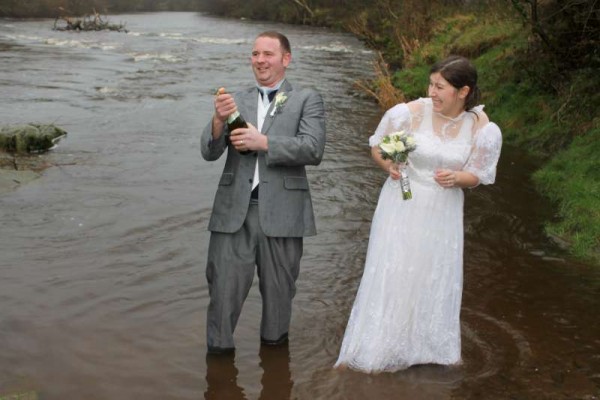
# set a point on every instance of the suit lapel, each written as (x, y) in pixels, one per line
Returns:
(248, 105)
(286, 88)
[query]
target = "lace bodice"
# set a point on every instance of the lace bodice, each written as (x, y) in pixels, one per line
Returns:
(469, 142)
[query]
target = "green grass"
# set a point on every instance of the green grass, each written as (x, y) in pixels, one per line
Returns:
(572, 180)
(412, 81)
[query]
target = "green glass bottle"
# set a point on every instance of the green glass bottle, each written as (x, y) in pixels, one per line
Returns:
(235, 121)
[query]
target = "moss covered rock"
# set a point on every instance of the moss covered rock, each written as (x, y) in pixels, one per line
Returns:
(32, 138)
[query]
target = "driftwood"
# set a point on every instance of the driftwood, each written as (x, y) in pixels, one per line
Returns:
(87, 23)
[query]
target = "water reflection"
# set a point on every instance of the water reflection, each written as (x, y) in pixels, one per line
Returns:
(221, 378)
(276, 381)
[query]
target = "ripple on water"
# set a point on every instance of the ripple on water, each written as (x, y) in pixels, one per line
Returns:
(491, 345)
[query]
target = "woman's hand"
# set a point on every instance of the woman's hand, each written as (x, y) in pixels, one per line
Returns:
(394, 170)
(445, 178)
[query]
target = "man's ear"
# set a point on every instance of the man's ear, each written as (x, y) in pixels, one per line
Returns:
(287, 58)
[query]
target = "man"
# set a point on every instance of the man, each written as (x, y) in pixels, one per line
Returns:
(262, 207)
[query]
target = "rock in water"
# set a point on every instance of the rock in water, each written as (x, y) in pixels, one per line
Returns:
(32, 138)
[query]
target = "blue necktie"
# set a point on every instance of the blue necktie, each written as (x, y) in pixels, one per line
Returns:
(270, 93)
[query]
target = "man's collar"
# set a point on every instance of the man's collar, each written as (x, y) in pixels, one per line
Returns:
(270, 89)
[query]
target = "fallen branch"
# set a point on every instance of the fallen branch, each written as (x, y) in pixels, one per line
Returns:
(87, 23)
(304, 5)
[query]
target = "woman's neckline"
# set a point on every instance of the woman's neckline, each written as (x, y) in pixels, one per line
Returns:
(459, 116)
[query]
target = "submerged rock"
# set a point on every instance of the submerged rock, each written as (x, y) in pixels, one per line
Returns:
(32, 138)
(10, 180)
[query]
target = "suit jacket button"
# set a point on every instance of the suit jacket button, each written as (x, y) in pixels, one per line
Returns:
(250, 180)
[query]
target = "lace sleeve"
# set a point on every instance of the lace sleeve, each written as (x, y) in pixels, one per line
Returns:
(484, 156)
(395, 119)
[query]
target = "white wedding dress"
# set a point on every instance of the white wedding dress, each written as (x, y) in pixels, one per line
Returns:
(407, 308)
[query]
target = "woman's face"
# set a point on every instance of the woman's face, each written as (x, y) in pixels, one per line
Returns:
(446, 99)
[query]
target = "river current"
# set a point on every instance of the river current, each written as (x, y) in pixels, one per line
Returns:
(102, 259)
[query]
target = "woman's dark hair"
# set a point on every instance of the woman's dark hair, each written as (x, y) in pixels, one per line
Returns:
(459, 72)
(283, 40)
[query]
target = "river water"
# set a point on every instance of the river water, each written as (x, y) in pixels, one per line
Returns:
(102, 289)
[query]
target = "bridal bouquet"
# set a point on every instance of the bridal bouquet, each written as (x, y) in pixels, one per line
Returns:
(396, 147)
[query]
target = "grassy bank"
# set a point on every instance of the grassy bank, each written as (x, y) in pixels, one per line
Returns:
(554, 117)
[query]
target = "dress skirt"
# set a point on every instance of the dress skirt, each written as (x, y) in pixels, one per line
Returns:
(407, 309)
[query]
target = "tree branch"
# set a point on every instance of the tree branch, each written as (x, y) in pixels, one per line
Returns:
(302, 3)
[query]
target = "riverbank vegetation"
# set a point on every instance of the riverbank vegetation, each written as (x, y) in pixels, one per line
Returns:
(538, 64)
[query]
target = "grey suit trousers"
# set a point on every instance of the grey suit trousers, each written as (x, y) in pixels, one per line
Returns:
(232, 258)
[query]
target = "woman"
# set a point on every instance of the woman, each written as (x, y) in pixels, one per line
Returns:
(407, 308)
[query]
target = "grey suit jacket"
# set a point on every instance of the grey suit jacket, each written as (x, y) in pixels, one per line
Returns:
(296, 136)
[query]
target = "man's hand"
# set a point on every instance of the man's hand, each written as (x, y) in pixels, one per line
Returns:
(244, 139)
(224, 105)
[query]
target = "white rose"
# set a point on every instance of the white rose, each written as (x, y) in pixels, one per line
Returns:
(396, 135)
(399, 147)
(387, 147)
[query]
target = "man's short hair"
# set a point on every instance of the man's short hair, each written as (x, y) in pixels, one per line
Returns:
(283, 40)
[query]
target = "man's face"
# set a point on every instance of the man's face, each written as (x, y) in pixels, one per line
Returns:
(269, 61)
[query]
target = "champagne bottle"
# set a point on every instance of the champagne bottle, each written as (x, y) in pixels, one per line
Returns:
(234, 121)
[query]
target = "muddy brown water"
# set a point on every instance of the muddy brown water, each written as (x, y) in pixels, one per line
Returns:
(102, 289)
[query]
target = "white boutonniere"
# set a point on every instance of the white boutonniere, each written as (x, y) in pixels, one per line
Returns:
(280, 99)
